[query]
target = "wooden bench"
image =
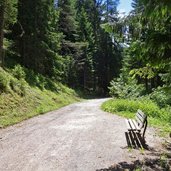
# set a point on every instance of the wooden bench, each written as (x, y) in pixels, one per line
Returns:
(138, 124)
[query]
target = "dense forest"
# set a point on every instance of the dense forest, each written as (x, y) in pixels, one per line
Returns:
(62, 40)
(88, 46)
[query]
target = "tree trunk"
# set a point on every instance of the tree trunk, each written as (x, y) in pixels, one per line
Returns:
(2, 8)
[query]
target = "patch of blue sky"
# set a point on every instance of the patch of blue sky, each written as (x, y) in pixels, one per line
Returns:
(124, 7)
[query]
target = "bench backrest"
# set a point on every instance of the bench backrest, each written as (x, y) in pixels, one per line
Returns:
(141, 118)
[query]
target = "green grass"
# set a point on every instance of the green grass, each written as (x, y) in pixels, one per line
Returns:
(19, 100)
(15, 108)
(157, 117)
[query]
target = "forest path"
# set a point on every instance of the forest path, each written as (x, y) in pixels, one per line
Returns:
(78, 137)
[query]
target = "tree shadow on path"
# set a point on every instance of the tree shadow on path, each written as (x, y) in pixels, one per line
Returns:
(155, 161)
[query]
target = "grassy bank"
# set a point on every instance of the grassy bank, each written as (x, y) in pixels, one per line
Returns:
(24, 94)
(157, 117)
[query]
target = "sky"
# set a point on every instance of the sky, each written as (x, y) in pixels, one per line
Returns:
(125, 6)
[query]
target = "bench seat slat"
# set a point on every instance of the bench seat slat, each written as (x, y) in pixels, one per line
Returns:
(136, 125)
(132, 126)
(139, 122)
(141, 116)
(127, 124)
(141, 113)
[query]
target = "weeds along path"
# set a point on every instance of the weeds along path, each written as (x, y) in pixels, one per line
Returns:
(79, 137)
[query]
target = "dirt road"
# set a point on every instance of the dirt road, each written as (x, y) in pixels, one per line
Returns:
(79, 137)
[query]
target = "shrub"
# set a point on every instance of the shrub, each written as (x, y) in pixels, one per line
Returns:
(18, 86)
(147, 106)
(161, 97)
(4, 81)
(18, 72)
(118, 88)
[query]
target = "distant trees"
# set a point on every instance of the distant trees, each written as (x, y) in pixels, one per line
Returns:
(80, 22)
(62, 40)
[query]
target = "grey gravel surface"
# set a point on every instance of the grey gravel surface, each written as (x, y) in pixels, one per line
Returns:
(79, 137)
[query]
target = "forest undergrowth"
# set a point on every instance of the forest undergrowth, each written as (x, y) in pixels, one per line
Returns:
(25, 94)
(157, 117)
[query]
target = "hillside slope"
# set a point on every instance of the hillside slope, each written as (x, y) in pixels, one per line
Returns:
(23, 94)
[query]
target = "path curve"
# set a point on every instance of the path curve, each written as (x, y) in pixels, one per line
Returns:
(78, 137)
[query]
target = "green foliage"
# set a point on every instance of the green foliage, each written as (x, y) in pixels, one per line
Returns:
(20, 100)
(158, 117)
(18, 87)
(37, 28)
(145, 72)
(15, 108)
(19, 72)
(11, 12)
(119, 88)
(4, 81)
(9, 84)
(161, 96)
(147, 106)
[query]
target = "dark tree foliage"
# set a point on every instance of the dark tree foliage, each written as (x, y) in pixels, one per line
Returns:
(37, 39)
(63, 40)
(147, 61)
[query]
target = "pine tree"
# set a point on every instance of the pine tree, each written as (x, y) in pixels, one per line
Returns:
(67, 26)
(7, 17)
(38, 42)
(108, 57)
(87, 36)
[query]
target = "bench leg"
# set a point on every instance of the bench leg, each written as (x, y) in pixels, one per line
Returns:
(144, 129)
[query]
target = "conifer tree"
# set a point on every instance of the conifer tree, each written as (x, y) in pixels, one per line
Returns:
(38, 41)
(87, 36)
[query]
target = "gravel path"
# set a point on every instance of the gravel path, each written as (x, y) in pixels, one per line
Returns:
(79, 137)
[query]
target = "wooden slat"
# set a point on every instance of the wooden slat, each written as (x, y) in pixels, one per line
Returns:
(132, 125)
(140, 117)
(139, 122)
(136, 125)
(141, 114)
(127, 123)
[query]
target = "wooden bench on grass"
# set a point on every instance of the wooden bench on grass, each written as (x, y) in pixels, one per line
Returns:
(138, 124)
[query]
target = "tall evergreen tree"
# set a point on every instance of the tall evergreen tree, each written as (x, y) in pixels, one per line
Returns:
(2, 11)
(108, 55)
(8, 13)
(86, 35)
(38, 42)
(67, 26)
